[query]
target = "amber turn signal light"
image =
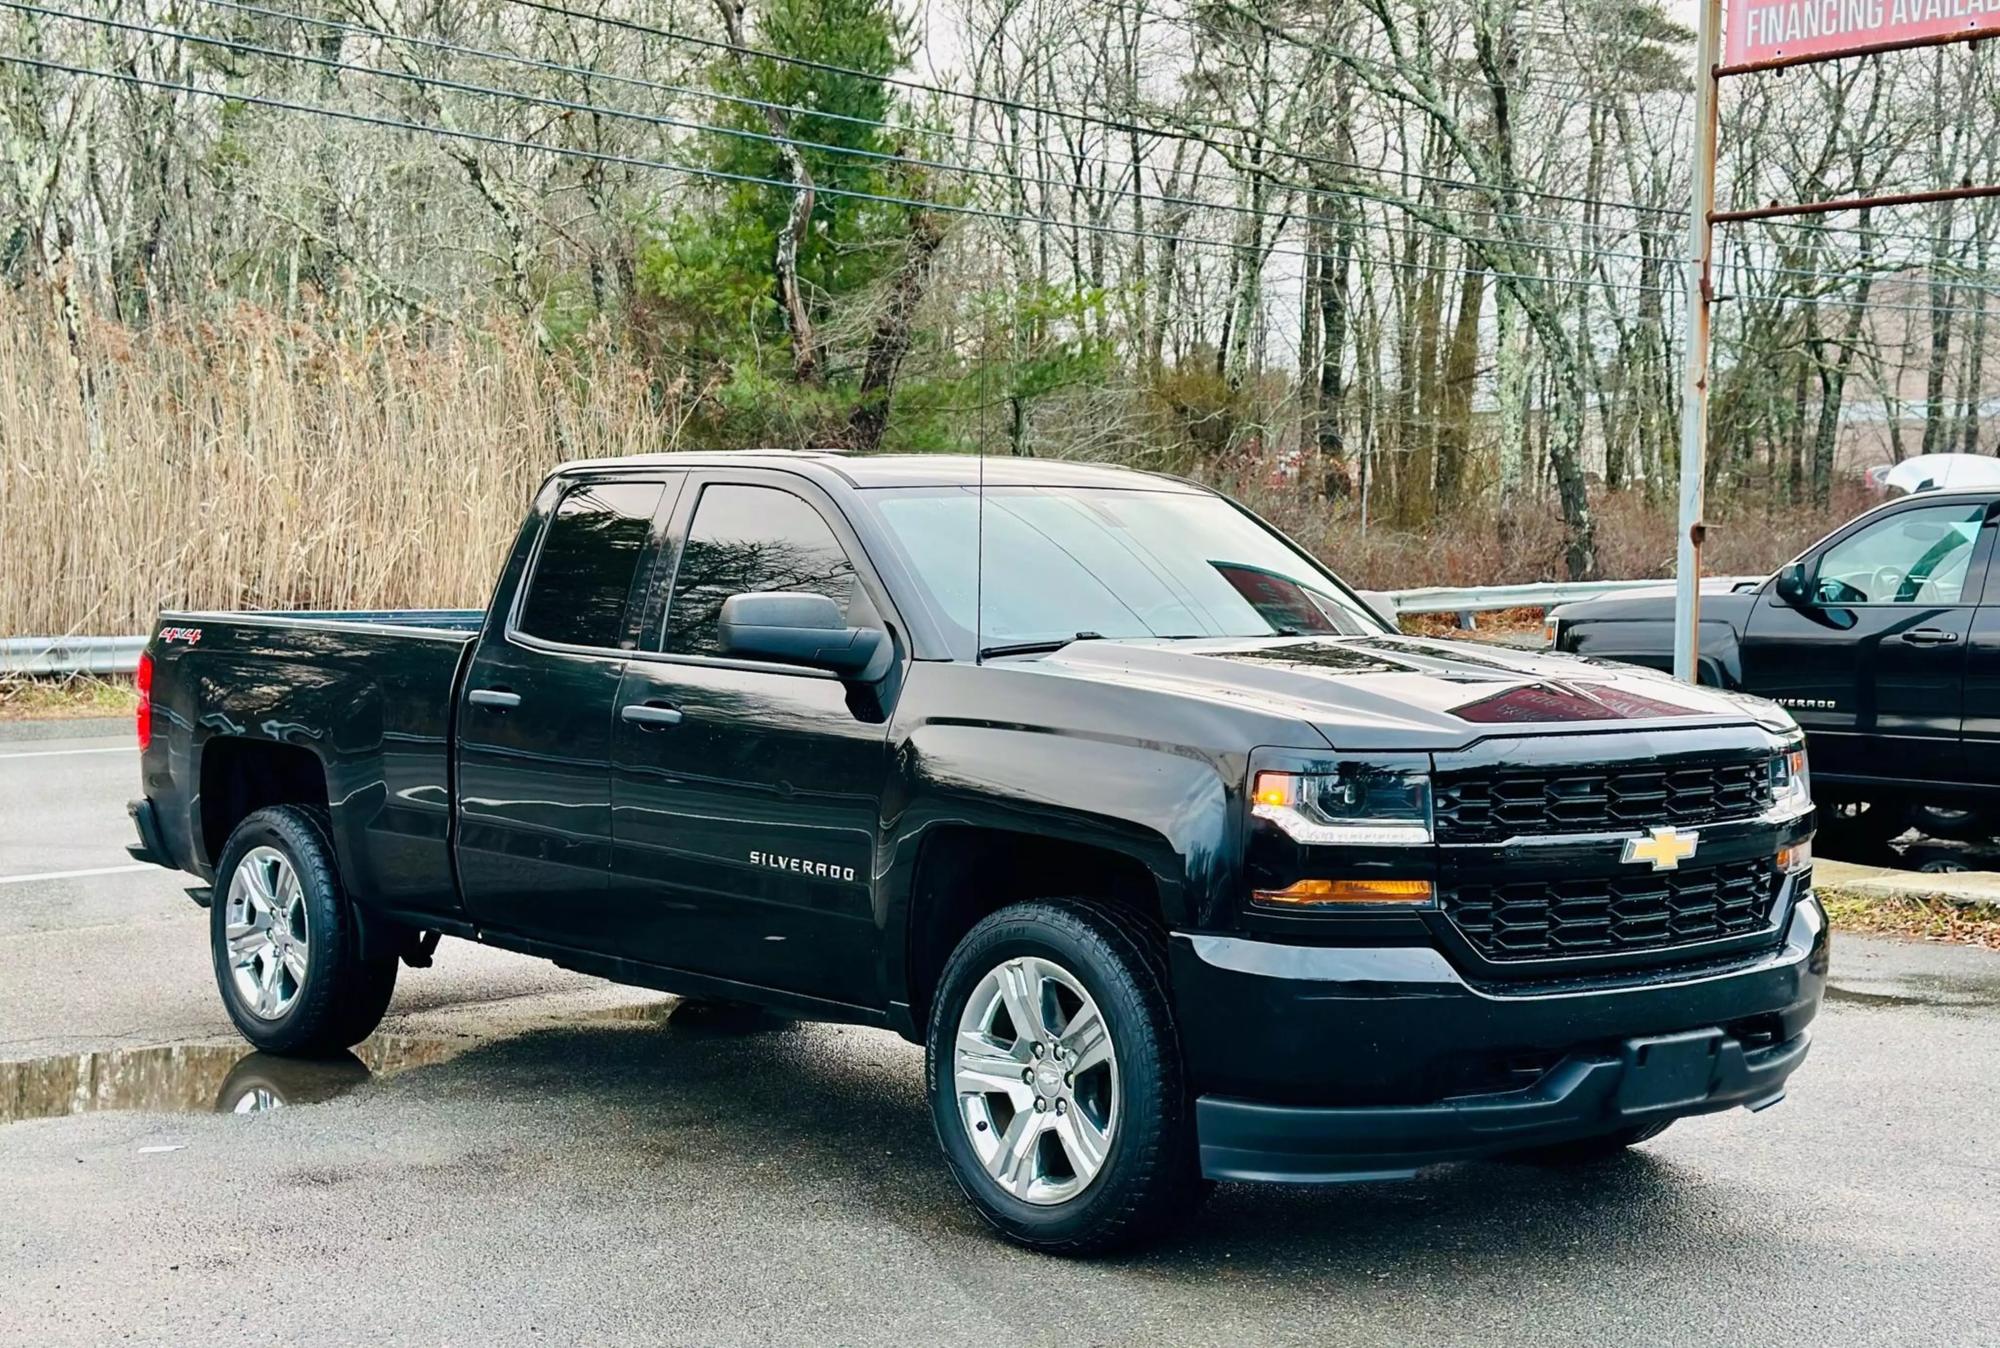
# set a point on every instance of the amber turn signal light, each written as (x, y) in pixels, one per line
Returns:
(1318, 893)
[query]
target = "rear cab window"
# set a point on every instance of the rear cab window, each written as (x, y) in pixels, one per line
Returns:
(590, 551)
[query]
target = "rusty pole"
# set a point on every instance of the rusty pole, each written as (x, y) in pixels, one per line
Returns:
(1694, 380)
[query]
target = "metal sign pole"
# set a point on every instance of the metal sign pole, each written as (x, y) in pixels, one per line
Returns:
(1694, 382)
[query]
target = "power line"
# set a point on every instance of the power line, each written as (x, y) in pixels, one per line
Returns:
(658, 119)
(1234, 177)
(724, 175)
(1126, 126)
(1136, 193)
(1305, 189)
(1266, 252)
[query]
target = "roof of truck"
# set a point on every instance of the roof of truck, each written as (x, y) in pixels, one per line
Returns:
(911, 470)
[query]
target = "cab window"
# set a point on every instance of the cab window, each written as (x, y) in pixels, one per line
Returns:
(1913, 557)
(749, 540)
(583, 573)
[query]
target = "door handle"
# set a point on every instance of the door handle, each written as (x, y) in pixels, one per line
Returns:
(494, 699)
(651, 715)
(1929, 636)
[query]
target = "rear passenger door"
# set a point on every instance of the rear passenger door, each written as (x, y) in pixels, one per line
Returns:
(535, 714)
(748, 794)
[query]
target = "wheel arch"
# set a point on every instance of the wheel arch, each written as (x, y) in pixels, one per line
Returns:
(966, 871)
(982, 814)
(241, 774)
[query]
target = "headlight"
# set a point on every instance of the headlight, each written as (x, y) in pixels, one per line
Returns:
(1358, 803)
(1791, 784)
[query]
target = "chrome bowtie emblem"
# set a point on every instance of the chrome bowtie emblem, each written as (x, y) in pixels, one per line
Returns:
(1663, 848)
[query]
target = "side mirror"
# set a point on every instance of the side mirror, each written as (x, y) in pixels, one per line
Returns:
(802, 629)
(1791, 584)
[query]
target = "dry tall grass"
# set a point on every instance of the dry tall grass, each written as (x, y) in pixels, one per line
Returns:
(250, 462)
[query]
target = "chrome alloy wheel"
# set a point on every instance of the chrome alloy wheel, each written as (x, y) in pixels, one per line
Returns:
(1036, 1079)
(265, 927)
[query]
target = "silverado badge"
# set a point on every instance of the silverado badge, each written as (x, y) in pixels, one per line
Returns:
(1665, 848)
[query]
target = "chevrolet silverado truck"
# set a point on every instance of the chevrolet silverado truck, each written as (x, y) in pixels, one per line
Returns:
(1882, 640)
(1180, 863)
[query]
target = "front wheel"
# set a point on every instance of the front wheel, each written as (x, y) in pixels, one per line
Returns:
(1954, 822)
(1864, 823)
(1054, 1073)
(284, 943)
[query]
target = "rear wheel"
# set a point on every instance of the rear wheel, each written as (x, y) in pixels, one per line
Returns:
(1055, 1082)
(283, 939)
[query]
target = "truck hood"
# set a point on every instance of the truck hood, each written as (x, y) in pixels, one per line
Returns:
(1390, 692)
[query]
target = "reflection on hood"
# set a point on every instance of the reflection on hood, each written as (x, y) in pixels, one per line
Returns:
(1567, 702)
(1404, 692)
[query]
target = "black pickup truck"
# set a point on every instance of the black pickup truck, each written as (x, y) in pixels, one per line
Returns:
(1178, 860)
(1883, 640)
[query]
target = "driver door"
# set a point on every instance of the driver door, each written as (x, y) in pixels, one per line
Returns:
(746, 795)
(1871, 659)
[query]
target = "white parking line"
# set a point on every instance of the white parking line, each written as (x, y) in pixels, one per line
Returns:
(74, 875)
(58, 753)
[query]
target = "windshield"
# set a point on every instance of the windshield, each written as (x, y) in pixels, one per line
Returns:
(1110, 563)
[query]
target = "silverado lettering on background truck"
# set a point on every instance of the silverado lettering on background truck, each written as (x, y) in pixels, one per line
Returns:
(1132, 851)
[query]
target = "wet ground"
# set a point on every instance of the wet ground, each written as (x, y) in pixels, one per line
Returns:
(523, 1156)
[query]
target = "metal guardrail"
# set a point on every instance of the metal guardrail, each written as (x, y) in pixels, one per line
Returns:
(120, 655)
(70, 655)
(1492, 598)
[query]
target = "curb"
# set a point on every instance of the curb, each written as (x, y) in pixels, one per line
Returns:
(1964, 889)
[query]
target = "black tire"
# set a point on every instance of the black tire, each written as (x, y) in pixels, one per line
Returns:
(342, 997)
(1955, 823)
(1863, 823)
(1150, 1176)
(1590, 1150)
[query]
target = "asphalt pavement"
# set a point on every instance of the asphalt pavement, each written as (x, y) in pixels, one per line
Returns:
(528, 1156)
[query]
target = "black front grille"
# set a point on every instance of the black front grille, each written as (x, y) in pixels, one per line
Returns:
(1488, 804)
(1541, 919)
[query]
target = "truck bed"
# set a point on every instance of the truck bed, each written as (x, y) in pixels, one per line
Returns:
(363, 698)
(451, 621)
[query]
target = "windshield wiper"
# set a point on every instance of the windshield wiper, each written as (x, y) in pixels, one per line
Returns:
(1037, 647)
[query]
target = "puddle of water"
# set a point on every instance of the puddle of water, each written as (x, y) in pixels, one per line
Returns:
(1856, 997)
(229, 1078)
(648, 1013)
(1941, 991)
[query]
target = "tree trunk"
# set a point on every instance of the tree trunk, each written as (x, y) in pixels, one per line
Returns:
(785, 261)
(890, 341)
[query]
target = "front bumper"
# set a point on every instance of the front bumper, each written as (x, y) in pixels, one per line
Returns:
(1316, 1064)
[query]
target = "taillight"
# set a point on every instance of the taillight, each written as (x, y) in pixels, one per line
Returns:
(143, 717)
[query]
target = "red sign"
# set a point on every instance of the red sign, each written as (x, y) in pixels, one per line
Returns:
(1770, 30)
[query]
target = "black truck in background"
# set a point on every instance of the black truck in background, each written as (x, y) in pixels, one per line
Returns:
(1882, 640)
(1178, 860)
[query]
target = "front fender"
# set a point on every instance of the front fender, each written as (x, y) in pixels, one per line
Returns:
(1177, 814)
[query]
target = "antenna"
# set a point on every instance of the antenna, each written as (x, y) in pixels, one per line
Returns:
(979, 511)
